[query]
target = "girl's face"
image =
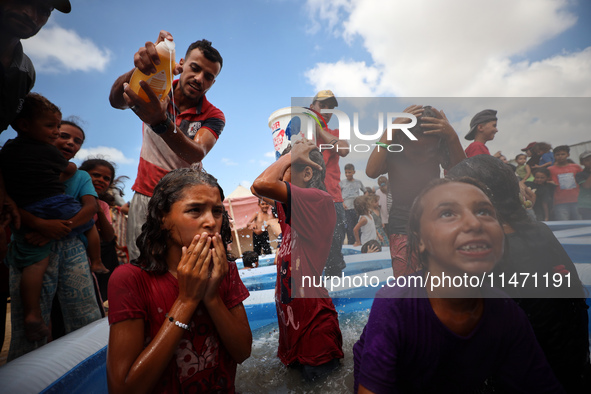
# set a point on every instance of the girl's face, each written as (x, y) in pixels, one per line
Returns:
(198, 210)
(459, 230)
(521, 160)
(70, 140)
(102, 178)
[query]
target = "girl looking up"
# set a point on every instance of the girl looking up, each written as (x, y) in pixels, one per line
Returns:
(450, 339)
(176, 313)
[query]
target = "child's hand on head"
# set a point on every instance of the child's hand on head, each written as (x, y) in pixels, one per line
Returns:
(300, 153)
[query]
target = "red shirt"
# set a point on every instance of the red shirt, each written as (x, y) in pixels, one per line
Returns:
(309, 330)
(156, 157)
(333, 171)
(476, 148)
(201, 363)
(568, 188)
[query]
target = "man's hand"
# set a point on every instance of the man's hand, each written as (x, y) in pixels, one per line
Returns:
(146, 58)
(151, 112)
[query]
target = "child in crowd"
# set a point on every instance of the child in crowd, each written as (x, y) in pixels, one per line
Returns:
(483, 128)
(450, 339)
(522, 171)
(102, 173)
(375, 210)
(385, 202)
(34, 171)
(258, 224)
(350, 188)
(309, 334)
(544, 193)
(250, 259)
(583, 178)
(412, 169)
(543, 150)
(567, 190)
(177, 321)
(366, 225)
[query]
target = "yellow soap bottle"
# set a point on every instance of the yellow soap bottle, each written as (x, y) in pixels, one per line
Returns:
(161, 81)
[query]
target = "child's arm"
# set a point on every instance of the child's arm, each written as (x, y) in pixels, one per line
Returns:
(376, 164)
(586, 184)
(546, 211)
(362, 222)
(68, 172)
(527, 172)
(325, 138)
(251, 223)
(44, 229)
(103, 225)
(89, 208)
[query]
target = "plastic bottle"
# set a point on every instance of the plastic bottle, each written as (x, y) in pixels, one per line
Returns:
(161, 81)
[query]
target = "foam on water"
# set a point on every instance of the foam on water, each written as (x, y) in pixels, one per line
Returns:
(264, 373)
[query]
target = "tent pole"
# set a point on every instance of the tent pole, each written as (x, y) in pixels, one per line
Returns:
(235, 231)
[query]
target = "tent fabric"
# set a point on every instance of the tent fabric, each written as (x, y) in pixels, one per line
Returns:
(244, 205)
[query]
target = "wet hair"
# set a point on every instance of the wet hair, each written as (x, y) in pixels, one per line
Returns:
(428, 111)
(249, 258)
(361, 205)
(413, 228)
(152, 240)
(350, 167)
(208, 51)
(34, 106)
(502, 182)
(562, 148)
(543, 170)
(91, 164)
(317, 180)
(72, 123)
(520, 155)
(371, 243)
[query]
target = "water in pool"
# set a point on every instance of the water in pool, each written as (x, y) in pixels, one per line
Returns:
(264, 373)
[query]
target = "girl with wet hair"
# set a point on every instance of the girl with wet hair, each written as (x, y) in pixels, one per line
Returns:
(309, 334)
(425, 336)
(558, 315)
(177, 319)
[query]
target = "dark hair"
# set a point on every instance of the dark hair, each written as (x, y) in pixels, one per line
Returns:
(72, 123)
(249, 258)
(349, 166)
(413, 228)
(519, 155)
(34, 105)
(152, 241)
(208, 51)
(90, 164)
(418, 130)
(542, 147)
(317, 180)
(371, 243)
(562, 148)
(543, 170)
(502, 182)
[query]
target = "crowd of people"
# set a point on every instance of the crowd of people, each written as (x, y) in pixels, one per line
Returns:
(175, 297)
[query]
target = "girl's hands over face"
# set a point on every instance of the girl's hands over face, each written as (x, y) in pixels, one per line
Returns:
(193, 269)
(219, 268)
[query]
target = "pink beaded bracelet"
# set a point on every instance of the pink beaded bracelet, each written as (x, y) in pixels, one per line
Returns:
(178, 323)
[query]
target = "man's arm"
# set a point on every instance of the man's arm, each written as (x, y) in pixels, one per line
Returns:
(326, 138)
(190, 150)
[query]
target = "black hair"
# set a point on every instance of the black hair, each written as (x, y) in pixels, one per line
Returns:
(90, 164)
(361, 205)
(542, 147)
(208, 51)
(249, 258)
(152, 240)
(543, 170)
(519, 155)
(503, 183)
(72, 123)
(34, 105)
(413, 228)
(317, 180)
(371, 243)
(562, 148)
(349, 166)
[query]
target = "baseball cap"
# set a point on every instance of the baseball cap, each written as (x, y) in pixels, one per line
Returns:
(61, 5)
(488, 115)
(324, 95)
(529, 146)
(584, 155)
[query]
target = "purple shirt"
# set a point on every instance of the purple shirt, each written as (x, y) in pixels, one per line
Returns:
(406, 348)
